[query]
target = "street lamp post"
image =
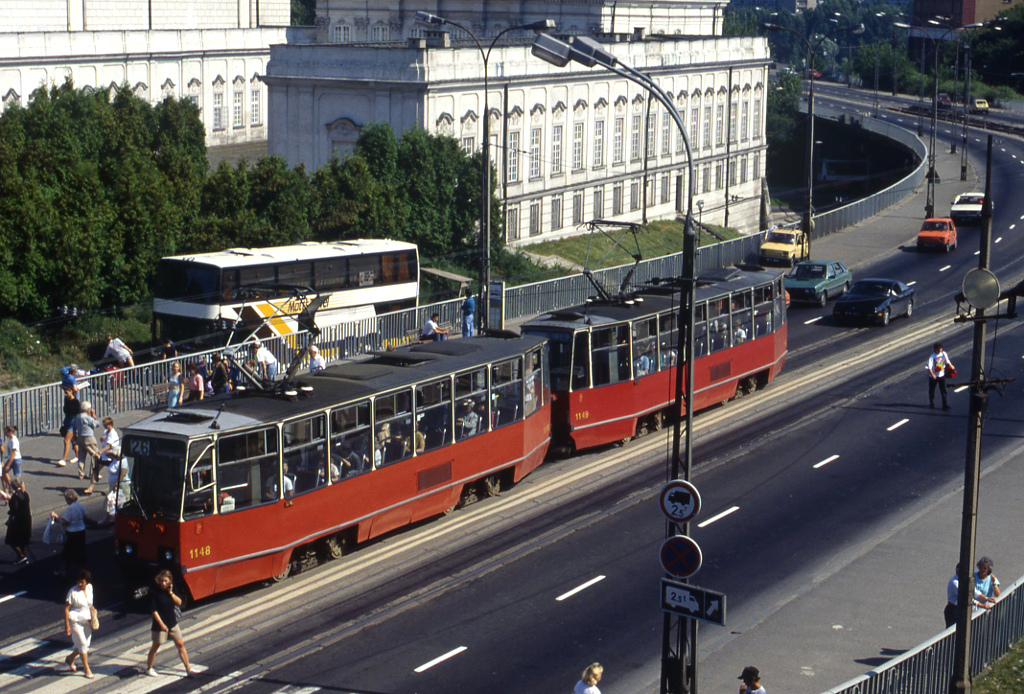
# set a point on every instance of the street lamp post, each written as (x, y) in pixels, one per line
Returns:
(485, 175)
(808, 221)
(675, 667)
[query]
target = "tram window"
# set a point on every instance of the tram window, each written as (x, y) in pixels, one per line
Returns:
(718, 324)
(330, 275)
(433, 415)
(533, 382)
(741, 326)
(762, 311)
(392, 428)
(246, 465)
(645, 347)
(471, 408)
(668, 340)
(560, 357)
(298, 274)
(199, 494)
(305, 464)
(580, 361)
(364, 271)
(506, 392)
(351, 450)
(610, 354)
(700, 331)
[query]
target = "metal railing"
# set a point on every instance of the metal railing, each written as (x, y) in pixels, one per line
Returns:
(928, 668)
(37, 410)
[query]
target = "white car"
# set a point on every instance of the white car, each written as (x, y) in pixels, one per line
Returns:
(966, 208)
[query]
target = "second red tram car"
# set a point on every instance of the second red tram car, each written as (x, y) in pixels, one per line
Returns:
(236, 489)
(613, 363)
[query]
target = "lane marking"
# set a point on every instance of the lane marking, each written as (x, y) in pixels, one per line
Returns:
(813, 320)
(999, 239)
(911, 284)
(440, 659)
(11, 597)
(221, 680)
(897, 425)
(977, 252)
(1013, 226)
(579, 588)
(960, 389)
(943, 269)
(826, 461)
(720, 516)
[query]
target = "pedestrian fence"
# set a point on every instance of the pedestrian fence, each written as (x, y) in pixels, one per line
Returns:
(39, 409)
(928, 668)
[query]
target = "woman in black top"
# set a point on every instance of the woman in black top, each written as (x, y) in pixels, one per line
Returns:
(162, 604)
(19, 521)
(72, 408)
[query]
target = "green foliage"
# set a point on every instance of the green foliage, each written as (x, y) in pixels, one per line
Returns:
(303, 12)
(1005, 675)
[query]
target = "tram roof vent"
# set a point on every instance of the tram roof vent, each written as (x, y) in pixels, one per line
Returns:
(719, 274)
(448, 348)
(180, 417)
(402, 358)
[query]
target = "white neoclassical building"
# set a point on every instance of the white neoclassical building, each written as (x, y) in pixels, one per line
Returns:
(569, 144)
(210, 51)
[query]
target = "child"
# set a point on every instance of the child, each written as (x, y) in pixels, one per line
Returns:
(12, 457)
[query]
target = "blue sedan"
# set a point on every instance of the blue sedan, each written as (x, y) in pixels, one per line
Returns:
(874, 301)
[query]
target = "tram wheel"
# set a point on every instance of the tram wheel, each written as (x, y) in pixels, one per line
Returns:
(284, 574)
(656, 421)
(748, 385)
(334, 547)
(491, 485)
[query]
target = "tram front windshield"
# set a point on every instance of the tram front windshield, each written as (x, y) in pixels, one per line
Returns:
(154, 472)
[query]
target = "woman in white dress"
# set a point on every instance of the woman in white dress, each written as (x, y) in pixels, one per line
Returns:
(78, 621)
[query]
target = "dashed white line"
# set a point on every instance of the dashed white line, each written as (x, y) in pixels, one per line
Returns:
(579, 588)
(912, 283)
(977, 252)
(960, 389)
(1013, 226)
(998, 240)
(440, 659)
(813, 320)
(943, 269)
(720, 516)
(826, 461)
(897, 425)
(11, 597)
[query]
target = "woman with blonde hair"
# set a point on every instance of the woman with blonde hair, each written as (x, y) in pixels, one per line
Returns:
(73, 520)
(78, 611)
(589, 679)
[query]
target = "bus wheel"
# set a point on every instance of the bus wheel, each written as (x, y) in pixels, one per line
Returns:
(491, 485)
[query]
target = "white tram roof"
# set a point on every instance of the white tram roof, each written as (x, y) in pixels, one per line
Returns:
(310, 250)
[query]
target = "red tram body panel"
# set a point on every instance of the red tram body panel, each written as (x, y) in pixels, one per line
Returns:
(613, 363)
(258, 523)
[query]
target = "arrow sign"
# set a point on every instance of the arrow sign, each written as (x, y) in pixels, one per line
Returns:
(691, 601)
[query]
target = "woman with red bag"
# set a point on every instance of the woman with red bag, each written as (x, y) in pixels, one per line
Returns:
(939, 368)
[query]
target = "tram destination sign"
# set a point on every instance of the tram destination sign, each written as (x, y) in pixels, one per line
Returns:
(694, 602)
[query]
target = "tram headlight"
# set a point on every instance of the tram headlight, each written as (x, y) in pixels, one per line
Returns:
(168, 555)
(128, 548)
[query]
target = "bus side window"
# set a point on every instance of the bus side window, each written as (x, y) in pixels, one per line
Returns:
(580, 361)
(247, 467)
(199, 494)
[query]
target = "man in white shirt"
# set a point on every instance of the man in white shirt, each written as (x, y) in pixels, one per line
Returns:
(316, 360)
(119, 350)
(432, 330)
(266, 361)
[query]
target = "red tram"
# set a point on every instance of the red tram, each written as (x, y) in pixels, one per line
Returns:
(613, 363)
(237, 489)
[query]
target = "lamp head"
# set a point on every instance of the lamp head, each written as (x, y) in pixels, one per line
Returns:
(541, 25)
(427, 18)
(858, 30)
(551, 50)
(589, 52)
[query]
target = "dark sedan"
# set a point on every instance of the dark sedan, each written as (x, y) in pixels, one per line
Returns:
(874, 301)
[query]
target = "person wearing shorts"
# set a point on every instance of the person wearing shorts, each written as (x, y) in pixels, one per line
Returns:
(163, 602)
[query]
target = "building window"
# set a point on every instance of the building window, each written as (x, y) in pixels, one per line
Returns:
(556, 150)
(342, 34)
(652, 134)
(255, 114)
(598, 210)
(734, 109)
(634, 194)
(577, 208)
(617, 200)
(635, 148)
(694, 126)
(238, 110)
(732, 172)
(512, 224)
(707, 127)
(556, 212)
(745, 120)
(617, 141)
(218, 110)
(719, 180)
(535, 218)
(743, 169)
(666, 134)
(757, 166)
(468, 144)
(665, 195)
(599, 143)
(380, 33)
(720, 124)
(513, 157)
(757, 118)
(577, 146)
(651, 183)
(535, 139)
(706, 179)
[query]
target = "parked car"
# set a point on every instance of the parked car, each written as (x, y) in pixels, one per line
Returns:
(817, 281)
(783, 246)
(945, 103)
(874, 301)
(966, 208)
(979, 106)
(815, 74)
(937, 233)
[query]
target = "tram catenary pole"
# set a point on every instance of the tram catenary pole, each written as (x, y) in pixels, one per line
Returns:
(678, 672)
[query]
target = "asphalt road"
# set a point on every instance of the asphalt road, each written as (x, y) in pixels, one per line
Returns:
(845, 530)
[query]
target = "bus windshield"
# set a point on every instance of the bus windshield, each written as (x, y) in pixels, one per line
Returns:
(182, 280)
(155, 471)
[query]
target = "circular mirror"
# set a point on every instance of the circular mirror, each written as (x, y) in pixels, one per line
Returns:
(981, 287)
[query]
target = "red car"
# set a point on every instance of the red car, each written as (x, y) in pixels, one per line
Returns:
(937, 233)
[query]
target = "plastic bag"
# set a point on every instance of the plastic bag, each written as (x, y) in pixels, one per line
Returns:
(53, 533)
